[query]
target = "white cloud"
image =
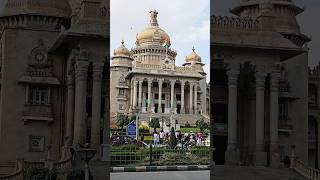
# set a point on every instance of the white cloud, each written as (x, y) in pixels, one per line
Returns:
(185, 21)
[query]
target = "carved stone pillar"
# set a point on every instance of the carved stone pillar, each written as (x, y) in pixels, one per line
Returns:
(140, 94)
(131, 96)
(232, 154)
(149, 94)
(191, 98)
(195, 99)
(97, 69)
(135, 84)
(182, 111)
(274, 115)
(81, 70)
(260, 156)
(70, 110)
(160, 81)
(172, 82)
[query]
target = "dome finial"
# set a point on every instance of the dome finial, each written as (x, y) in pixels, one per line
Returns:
(193, 49)
(153, 18)
(122, 42)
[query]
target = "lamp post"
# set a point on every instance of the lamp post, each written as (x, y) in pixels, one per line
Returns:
(136, 111)
(86, 155)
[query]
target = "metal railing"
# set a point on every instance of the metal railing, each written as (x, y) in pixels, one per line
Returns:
(131, 155)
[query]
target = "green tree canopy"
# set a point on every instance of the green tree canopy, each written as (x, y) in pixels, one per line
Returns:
(122, 120)
(202, 125)
(155, 123)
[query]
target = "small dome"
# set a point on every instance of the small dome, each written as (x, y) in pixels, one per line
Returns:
(56, 8)
(153, 33)
(193, 56)
(122, 50)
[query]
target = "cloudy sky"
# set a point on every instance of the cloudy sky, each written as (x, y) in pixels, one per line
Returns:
(187, 22)
(308, 21)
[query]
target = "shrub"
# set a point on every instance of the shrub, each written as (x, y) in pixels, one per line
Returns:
(200, 151)
(155, 123)
(77, 175)
(173, 140)
(40, 174)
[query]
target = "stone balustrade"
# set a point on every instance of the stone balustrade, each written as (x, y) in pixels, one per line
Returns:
(235, 23)
(304, 170)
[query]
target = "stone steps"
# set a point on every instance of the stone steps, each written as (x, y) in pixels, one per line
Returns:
(182, 118)
(254, 173)
(7, 167)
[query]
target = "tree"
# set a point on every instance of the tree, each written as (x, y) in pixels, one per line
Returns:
(173, 140)
(122, 120)
(155, 123)
(202, 125)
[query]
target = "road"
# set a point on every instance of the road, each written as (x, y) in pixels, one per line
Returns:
(162, 175)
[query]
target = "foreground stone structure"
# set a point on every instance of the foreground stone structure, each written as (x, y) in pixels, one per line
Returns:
(147, 79)
(54, 78)
(260, 84)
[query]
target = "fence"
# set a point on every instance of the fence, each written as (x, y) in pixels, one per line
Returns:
(131, 155)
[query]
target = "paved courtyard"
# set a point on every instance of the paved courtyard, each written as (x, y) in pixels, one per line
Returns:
(163, 175)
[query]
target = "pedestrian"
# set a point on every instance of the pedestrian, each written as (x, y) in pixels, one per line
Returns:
(142, 138)
(161, 136)
(155, 138)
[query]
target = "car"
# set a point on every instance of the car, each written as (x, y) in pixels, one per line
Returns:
(118, 140)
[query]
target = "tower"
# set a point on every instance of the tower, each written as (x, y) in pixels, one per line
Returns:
(31, 103)
(120, 66)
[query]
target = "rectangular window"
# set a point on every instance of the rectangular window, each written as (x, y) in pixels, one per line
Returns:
(121, 92)
(38, 95)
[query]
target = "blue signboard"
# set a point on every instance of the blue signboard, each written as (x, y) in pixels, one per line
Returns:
(131, 129)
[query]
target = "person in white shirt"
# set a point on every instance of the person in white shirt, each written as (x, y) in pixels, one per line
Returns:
(161, 136)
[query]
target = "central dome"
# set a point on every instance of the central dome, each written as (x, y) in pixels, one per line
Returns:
(153, 34)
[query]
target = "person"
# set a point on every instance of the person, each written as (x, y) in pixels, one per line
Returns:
(155, 138)
(142, 138)
(199, 138)
(161, 136)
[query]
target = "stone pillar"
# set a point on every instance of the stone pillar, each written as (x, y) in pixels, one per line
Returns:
(232, 156)
(70, 110)
(274, 115)
(149, 94)
(182, 111)
(318, 95)
(97, 69)
(135, 84)
(172, 82)
(131, 97)
(260, 156)
(81, 70)
(191, 98)
(160, 95)
(195, 99)
(140, 94)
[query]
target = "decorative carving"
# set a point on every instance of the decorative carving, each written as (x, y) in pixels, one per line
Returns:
(36, 143)
(153, 18)
(122, 80)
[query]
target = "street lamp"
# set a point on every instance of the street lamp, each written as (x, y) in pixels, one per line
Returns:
(136, 111)
(86, 155)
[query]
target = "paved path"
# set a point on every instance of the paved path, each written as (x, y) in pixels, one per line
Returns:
(165, 175)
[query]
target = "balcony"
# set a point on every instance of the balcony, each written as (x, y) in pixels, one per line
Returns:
(37, 113)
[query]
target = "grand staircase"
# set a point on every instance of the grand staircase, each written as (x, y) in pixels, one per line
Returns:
(254, 173)
(182, 118)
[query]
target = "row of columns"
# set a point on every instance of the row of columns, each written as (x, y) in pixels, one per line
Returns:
(76, 104)
(135, 91)
(260, 157)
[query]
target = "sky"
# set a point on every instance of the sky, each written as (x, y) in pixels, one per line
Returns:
(308, 21)
(187, 22)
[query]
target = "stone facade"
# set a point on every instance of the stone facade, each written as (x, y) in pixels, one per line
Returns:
(54, 81)
(260, 84)
(147, 73)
